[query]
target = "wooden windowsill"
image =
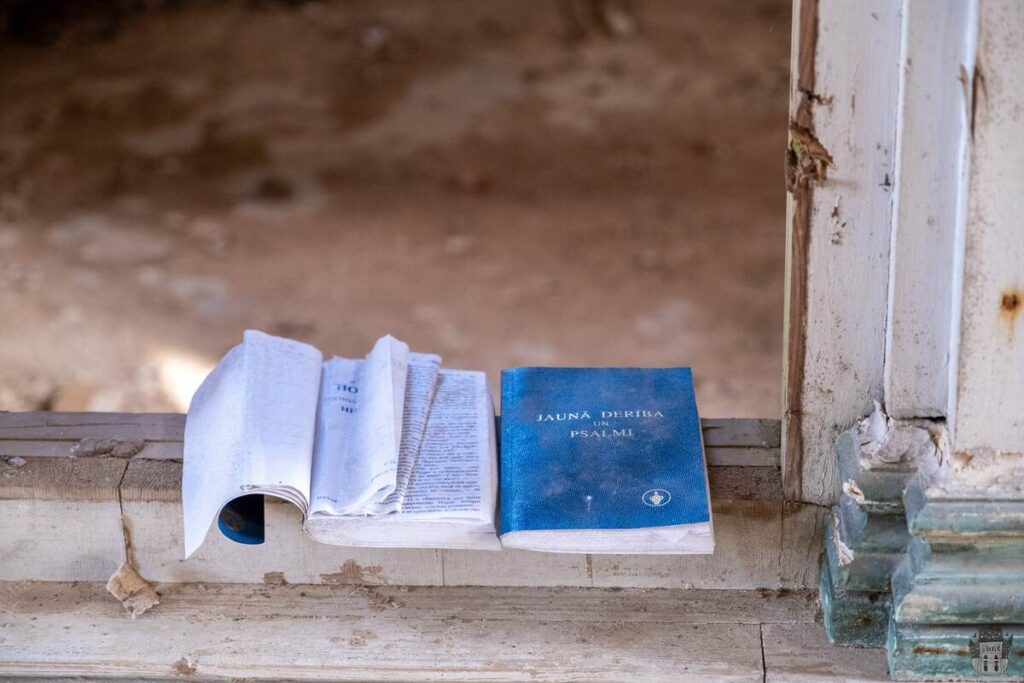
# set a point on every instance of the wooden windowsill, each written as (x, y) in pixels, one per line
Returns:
(203, 632)
(79, 517)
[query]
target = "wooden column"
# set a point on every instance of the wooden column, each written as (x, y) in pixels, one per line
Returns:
(963, 579)
(841, 171)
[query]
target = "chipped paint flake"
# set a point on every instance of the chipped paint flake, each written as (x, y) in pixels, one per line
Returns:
(101, 448)
(844, 554)
(887, 443)
(134, 592)
(851, 489)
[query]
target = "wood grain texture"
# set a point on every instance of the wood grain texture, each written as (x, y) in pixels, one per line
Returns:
(61, 519)
(62, 479)
(745, 483)
(152, 480)
(748, 538)
(75, 426)
(171, 426)
(57, 540)
(729, 442)
(375, 634)
(384, 634)
(989, 415)
(747, 508)
(741, 432)
(929, 199)
(796, 653)
(839, 232)
(801, 544)
(288, 555)
(43, 448)
(798, 209)
(517, 568)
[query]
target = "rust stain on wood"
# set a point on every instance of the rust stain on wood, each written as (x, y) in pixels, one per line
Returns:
(1010, 304)
(351, 572)
(185, 666)
(274, 579)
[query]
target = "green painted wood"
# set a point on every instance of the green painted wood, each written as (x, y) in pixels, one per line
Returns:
(852, 618)
(928, 653)
(968, 585)
(962, 519)
(881, 486)
(865, 530)
(868, 570)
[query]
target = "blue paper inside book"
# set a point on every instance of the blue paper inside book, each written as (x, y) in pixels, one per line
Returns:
(603, 460)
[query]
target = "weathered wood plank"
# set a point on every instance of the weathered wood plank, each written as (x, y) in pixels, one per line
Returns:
(745, 483)
(929, 200)
(748, 534)
(32, 448)
(151, 503)
(748, 537)
(57, 540)
(61, 519)
(728, 442)
(435, 603)
(801, 544)
(843, 108)
(718, 456)
(989, 424)
(728, 456)
(288, 555)
(748, 432)
(161, 480)
(75, 426)
(741, 432)
(747, 515)
(516, 568)
(62, 479)
(799, 199)
(800, 652)
(386, 634)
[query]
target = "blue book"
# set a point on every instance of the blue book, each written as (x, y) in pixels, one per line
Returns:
(603, 460)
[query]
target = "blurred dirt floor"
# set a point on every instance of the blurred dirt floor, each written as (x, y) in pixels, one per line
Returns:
(502, 182)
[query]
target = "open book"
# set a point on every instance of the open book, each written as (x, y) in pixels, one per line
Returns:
(387, 451)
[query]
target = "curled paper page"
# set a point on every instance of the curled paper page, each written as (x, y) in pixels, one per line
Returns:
(359, 430)
(250, 430)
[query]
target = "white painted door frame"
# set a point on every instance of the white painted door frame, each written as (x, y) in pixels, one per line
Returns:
(881, 112)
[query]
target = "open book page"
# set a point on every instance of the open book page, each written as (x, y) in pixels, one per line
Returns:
(250, 429)
(214, 468)
(450, 502)
(420, 383)
(455, 475)
(282, 381)
(355, 459)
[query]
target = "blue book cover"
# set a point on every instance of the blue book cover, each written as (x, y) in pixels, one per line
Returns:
(600, 448)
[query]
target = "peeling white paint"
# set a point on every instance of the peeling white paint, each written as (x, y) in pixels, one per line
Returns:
(851, 489)
(990, 396)
(987, 472)
(888, 443)
(844, 554)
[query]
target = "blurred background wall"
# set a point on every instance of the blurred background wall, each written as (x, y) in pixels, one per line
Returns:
(503, 182)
